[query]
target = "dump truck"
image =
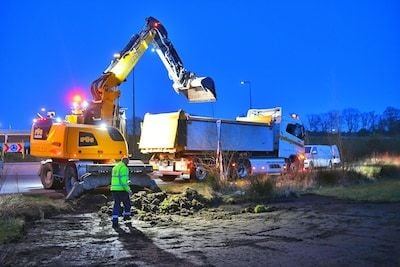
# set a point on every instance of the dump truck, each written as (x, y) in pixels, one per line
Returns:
(186, 146)
(80, 152)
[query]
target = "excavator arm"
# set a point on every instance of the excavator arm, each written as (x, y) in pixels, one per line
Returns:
(195, 89)
(105, 91)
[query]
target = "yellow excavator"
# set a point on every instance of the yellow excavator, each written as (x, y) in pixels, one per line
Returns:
(81, 151)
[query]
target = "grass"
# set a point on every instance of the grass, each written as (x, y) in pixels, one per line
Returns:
(381, 191)
(374, 180)
(16, 210)
(11, 229)
(254, 188)
(260, 188)
(372, 183)
(29, 207)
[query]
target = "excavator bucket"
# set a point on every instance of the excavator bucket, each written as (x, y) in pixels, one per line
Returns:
(200, 89)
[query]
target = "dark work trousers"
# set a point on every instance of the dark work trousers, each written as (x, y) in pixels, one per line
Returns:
(121, 196)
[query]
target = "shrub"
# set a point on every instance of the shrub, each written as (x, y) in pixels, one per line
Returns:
(260, 187)
(341, 177)
(371, 171)
(328, 178)
(29, 207)
(213, 182)
(390, 171)
(11, 229)
(260, 208)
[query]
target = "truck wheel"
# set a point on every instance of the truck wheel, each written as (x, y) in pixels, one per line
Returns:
(311, 166)
(168, 178)
(47, 177)
(198, 171)
(294, 166)
(243, 169)
(70, 178)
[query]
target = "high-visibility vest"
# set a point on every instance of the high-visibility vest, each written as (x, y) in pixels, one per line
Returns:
(120, 178)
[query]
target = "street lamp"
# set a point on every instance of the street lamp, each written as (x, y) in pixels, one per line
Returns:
(249, 83)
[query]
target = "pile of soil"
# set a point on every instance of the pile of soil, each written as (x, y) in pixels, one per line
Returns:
(148, 206)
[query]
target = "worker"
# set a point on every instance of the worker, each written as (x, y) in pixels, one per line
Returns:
(121, 191)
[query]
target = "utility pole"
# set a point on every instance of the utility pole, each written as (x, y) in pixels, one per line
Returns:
(133, 114)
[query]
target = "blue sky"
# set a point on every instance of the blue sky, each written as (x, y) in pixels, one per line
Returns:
(306, 56)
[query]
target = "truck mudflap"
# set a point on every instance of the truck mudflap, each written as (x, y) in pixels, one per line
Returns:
(91, 182)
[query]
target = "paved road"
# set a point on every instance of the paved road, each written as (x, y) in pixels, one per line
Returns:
(20, 177)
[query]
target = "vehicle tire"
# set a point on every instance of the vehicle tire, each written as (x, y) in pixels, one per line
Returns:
(311, 166)
(198, 172)
(47, 177)
(243, 169)
(168, 178)
(294, 166)
(337, 166)
(70, 177)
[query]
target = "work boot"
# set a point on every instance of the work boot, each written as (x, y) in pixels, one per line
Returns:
(127, 218)
(114, 223)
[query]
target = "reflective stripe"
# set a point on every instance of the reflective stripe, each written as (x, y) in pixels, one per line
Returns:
(126, 213)
(120, 178)
(115, 217)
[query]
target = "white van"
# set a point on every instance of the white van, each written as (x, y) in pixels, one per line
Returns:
(321, 156)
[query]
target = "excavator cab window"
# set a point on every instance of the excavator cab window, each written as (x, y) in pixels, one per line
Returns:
(41, 128)
(115, 134)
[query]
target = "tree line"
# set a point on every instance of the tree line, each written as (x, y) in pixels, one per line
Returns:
(353, 121)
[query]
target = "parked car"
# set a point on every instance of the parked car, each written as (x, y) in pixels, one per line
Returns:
(321, 156)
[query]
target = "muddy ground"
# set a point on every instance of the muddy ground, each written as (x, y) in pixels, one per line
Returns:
(305, 231)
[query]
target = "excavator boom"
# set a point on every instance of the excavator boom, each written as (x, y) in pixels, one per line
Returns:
(105, 90)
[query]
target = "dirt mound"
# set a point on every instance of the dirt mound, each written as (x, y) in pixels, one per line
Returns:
(183, 204)
(147, 205)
